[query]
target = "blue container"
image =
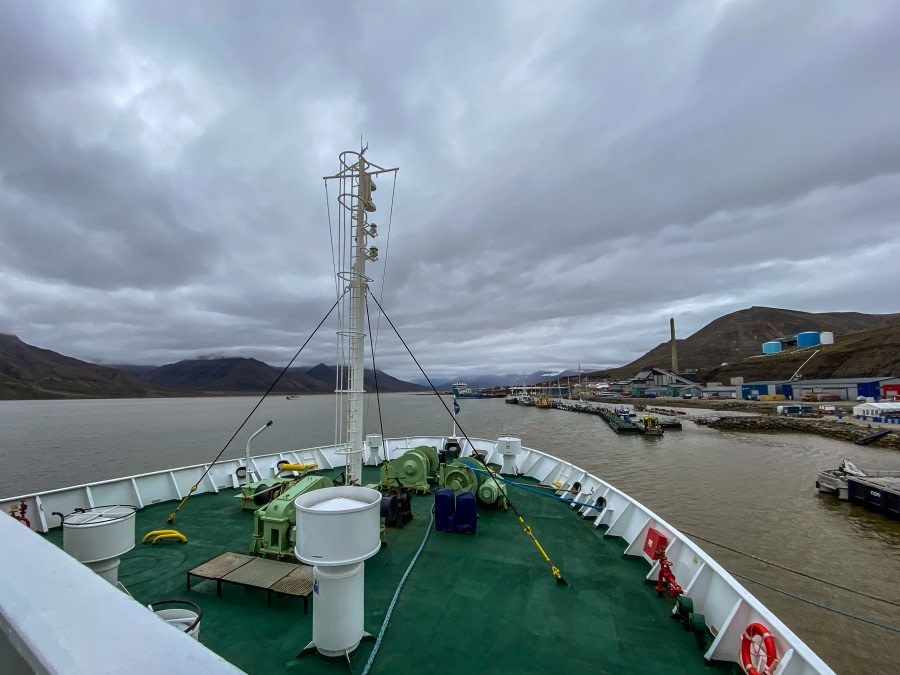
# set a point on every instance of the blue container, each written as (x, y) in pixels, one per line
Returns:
(466, 518)
(444, 510)
(807, 339)
(772, 347)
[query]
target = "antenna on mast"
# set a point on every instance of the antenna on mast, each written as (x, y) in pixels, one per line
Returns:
(355, 198)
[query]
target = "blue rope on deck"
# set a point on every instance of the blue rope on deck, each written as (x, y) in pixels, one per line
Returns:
(387, 617)
(537, 492)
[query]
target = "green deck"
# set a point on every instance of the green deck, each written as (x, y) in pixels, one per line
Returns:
(474, 603)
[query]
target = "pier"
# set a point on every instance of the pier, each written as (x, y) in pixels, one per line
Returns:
(616, 422)
(865, 440)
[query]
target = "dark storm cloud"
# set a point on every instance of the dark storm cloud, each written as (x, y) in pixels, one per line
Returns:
(569, 179)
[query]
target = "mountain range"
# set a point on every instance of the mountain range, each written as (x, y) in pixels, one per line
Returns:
(866, 345)
(28, 372)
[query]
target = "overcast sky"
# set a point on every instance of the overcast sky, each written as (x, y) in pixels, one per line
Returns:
(572, 174)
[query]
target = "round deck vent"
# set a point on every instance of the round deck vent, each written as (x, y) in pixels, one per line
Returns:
(98, 536)
(338, 528)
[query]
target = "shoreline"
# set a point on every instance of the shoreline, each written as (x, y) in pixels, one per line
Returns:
(763, 418)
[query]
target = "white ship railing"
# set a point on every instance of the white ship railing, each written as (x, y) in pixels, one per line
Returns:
(727, 606)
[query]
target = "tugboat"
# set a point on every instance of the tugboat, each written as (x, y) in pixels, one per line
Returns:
(650, 426)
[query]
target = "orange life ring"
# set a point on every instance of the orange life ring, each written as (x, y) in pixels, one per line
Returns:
(755, 630)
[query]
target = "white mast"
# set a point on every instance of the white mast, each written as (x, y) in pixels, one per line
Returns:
(356, 198)
(357, 326)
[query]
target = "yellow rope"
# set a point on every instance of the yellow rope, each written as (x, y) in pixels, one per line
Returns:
(553, 568)
(183, 501)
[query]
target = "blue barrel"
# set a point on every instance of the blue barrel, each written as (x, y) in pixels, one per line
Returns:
(466, 519)
(444, 510)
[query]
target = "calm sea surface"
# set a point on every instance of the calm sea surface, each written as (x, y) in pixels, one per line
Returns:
(750, 492)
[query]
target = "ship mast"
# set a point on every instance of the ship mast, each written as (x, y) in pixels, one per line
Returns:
(355, 197)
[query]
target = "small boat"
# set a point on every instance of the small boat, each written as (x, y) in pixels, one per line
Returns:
(650, 426)
(292, 397)
(542, 401)
(625, 412)
(836, 481)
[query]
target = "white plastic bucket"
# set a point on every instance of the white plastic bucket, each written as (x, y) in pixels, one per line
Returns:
(185, 620)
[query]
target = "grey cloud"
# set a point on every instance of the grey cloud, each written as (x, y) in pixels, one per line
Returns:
(568, 180)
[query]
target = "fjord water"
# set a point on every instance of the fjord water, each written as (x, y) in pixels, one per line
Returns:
(749, 492)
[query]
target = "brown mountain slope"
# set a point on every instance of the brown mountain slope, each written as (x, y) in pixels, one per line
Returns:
(28, 372)
(872, 353)
(740, 335)
(249, 375)
(228, 375)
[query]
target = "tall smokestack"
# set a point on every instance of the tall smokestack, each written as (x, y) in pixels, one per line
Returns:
(674, 347)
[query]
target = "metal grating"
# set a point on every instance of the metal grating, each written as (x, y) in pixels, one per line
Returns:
(299, 582)
(220, 566)
(260, 572)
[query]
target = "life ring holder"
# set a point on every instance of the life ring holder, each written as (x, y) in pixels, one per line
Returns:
(766, 644)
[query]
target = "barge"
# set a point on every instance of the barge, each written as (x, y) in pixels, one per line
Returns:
(878, 490)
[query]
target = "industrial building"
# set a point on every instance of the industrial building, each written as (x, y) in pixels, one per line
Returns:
(767, 388)
(659, 382)
(846, 389)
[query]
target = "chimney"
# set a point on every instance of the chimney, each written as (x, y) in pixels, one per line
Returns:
(674, 348)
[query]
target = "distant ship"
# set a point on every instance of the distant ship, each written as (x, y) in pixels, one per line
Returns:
(461, 390)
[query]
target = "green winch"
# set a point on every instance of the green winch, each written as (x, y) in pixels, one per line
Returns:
(414, 469)
(275, 524)
(489, 491)
(458, 477)
(261, 492)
